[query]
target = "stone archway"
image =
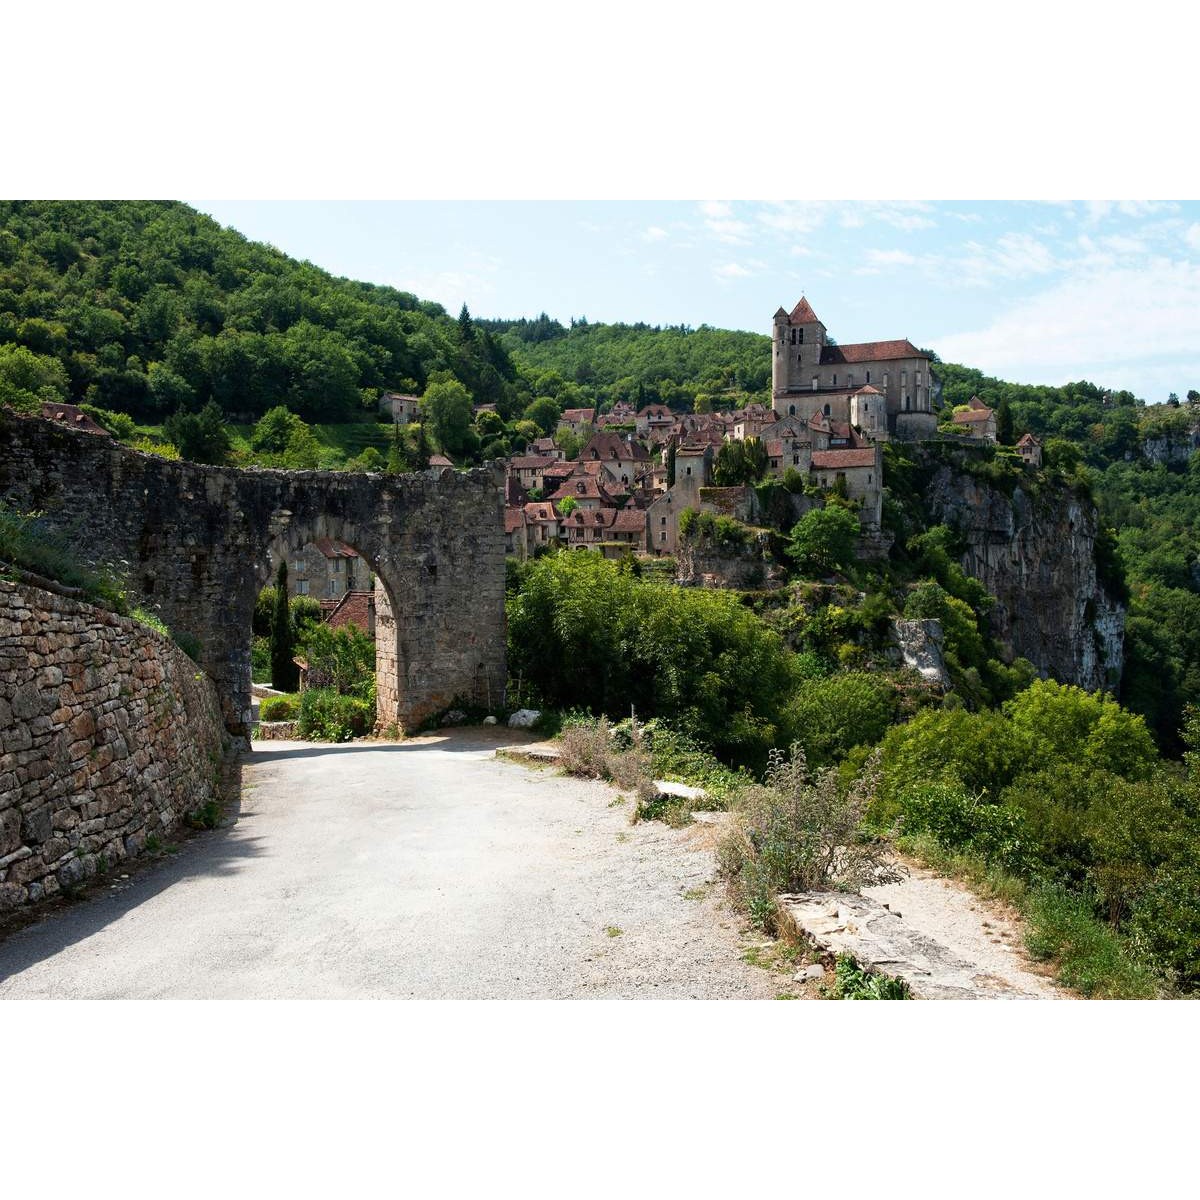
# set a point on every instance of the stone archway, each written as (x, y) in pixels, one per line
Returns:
(194, 542)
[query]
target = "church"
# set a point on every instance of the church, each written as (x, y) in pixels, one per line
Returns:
(884, 389)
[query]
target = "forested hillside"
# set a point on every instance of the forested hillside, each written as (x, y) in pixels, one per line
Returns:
(644, 364)
(149, 307)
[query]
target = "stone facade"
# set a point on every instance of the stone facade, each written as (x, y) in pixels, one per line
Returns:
(109, 734)
(196, 543)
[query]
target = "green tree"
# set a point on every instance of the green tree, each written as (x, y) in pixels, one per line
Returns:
(446, 409)
(284, 673)
(201, 437)
(544, 413)
(273, 430)
(1004, 424)
(567, 505)
(27, 380)
(824, 539)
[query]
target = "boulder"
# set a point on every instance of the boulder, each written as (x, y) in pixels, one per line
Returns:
(524, 718)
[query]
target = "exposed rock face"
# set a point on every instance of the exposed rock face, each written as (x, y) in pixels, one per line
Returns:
(1172, 448)
(919, 646)
(196, 544)
(1037, 555)
(108, 735)
(703, 562)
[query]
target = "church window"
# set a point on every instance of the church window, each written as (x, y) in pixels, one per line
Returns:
(791, 410)
(800, 339)
(868, 376)
(826, 410)
(793, 337)
(814, 383)
(835, 379)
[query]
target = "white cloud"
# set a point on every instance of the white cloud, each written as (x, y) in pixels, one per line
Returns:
(737, 270)
(1134, 325)
(716, 208)
(654, 234)
(1192, 236)
(890, 258)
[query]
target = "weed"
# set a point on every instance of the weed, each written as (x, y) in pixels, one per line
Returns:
(622, 836)
(694, 894)
(153, 844)
(207, 816)
(787, 996)
(851, 982)
(613, 930)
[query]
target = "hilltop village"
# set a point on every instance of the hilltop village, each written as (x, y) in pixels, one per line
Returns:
(638, 471)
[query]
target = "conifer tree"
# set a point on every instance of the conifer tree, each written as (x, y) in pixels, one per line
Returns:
(284, 675)
(1004, 424)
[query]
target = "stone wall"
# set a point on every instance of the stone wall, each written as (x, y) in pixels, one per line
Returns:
(196, 545)
(109, 734)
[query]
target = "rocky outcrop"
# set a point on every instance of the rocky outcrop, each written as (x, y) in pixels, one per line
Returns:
(1035, 551)
(109, 736)
(706, 562)
(918, 645)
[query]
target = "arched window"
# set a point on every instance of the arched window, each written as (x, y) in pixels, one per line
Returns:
(800, 339)
(826, 410)
(791, 410)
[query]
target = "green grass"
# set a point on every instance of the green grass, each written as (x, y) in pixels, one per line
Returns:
(613, 930)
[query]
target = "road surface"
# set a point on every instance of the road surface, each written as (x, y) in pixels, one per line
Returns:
(425, 869)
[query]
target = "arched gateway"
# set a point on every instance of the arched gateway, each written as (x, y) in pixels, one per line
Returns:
(195, 544)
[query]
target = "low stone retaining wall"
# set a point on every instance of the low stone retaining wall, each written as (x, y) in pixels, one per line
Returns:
(109, 735)
(283, 731)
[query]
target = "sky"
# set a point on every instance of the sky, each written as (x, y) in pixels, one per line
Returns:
(1033, 292)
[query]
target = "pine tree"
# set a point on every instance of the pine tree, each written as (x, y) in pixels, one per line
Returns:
(422, 448)
(1004, 424)
(284, 674)
(466, 327)
(671, 464)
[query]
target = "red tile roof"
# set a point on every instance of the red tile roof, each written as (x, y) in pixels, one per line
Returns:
(976, 416)
(69, 414)
(354, 608)
(803, 314)
(1027, 439)
(575, 415)
(540, 510)
(514, 519)
(583, 487)
(439, 460)
(831, 459)
(530, 462)
(857, 352)
(612, 447)
(334, 549)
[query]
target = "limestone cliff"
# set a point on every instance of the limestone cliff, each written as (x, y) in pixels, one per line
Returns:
(1035, 551)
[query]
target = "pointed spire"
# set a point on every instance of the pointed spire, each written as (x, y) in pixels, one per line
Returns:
(803, 314)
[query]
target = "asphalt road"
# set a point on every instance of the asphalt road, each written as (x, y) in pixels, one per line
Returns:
(425, 869)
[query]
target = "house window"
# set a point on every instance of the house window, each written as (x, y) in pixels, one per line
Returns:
(301, 587)
(298, 567)
(834, 380)
(795, 460)
(850, 380)
(664, 520)
(688, 471)
(885, 381)
(333, 587)
(800, 339)
(814, 383)
(663, 536)
(793, 337)
(868, 376)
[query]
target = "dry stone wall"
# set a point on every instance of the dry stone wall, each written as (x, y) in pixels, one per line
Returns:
(109, 734)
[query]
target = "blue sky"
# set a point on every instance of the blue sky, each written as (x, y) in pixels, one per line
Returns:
(1034, 292)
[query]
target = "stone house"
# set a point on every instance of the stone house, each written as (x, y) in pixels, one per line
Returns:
(611, 530)
(577, 420)
(1030, 450)
(655, 419)
(622, 457)
(588, 491)
(858, 473)
(543, 525)
(529, 469)
(354, 608)
(545, 447)
(693, 470)
(752, 421)
(404, 410)
(326, 570)
(804, 362)
(516, 532)
(977, 421)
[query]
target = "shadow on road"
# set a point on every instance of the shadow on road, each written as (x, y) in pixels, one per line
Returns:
(446, 740)
(39, 934)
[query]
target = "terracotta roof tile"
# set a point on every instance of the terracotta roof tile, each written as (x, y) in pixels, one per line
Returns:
(857, 352)
(831, 459)
(803, 314)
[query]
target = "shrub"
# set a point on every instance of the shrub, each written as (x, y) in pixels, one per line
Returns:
(342, 659)
(958, 820)
(829, 716)
(800, 833)
(326, 716)
(824, 539)
(279, 708)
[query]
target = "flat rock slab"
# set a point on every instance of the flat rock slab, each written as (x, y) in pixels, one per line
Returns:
(679, 791)
(881, 941)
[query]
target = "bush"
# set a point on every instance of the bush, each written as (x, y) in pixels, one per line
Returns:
(824, 539)
(958, 820)
(589, 749)
(326, 716)
(279, 708)
(851, 982)
(800, 833)
(830, 716)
